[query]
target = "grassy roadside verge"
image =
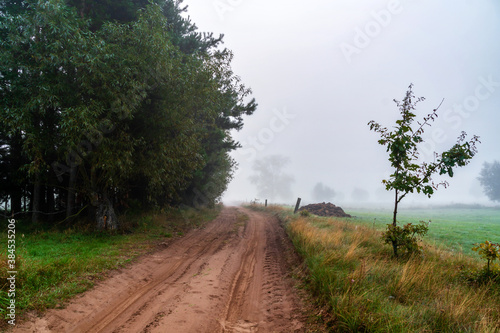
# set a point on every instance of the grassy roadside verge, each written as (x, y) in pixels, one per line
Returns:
(54, 265)
(363, 289)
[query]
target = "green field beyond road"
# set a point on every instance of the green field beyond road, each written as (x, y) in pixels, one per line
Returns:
(456, 228)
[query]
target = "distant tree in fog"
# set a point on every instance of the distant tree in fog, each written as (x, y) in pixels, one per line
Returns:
(490, 180)
(358, 194)
(271, 181)
(322, 192)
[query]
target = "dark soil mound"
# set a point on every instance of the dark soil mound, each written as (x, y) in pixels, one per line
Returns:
(325, 209)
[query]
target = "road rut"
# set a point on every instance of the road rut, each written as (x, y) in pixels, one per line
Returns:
(231, 276)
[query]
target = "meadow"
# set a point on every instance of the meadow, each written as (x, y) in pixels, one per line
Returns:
(456, 228)
(360, 287)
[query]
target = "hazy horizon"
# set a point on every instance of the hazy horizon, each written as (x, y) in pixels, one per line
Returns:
(320, 71)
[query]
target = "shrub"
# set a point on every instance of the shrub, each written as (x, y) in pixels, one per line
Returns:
(490, 273)
(405, 238)
(489, 251)
(305, 213)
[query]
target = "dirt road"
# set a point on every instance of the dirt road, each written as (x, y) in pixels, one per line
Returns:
(230, 276)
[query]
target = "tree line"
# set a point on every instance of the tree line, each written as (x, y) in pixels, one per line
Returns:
(113, 104)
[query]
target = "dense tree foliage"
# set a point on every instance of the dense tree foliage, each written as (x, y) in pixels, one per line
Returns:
(490, 180)
(108, 104)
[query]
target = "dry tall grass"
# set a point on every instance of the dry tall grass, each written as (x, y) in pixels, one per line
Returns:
(367, 290)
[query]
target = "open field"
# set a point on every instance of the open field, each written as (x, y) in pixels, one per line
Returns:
(457, 228)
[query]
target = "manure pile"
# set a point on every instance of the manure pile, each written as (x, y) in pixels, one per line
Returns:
(325, 209)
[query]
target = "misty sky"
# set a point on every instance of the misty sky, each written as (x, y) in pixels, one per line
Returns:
(320, 70)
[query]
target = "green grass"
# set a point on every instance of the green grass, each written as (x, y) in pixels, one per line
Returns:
(360, 287)
(54, 264)
(455, 228)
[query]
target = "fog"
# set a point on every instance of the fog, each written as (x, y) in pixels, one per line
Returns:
(321, 70)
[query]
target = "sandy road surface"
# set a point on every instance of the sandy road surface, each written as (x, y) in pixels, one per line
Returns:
(230, 276)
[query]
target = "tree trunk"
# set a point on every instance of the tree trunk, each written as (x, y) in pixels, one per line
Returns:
(70, 202)
(395, 248)
(25, 198)
(94, 198)
(43, 198)
(16, 196)
(50, 202)
(82, 10)
(36, 200)
(394, 223)
(105, 216)
(16, 203)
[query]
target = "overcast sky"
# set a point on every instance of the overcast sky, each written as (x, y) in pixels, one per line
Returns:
(320, 70)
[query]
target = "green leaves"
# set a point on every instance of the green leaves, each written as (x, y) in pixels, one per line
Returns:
(402, 146)
(137, 100)
(488, 251)
(405, 238)
(410, 174)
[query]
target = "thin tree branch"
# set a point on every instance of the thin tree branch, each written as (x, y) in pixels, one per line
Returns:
(427, 120)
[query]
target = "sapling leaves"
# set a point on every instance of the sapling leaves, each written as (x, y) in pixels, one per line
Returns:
(410, 173)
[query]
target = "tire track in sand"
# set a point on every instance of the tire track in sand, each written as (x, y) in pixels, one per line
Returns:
(228, 277)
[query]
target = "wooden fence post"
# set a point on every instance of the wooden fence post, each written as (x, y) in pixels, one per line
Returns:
(297, 205)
